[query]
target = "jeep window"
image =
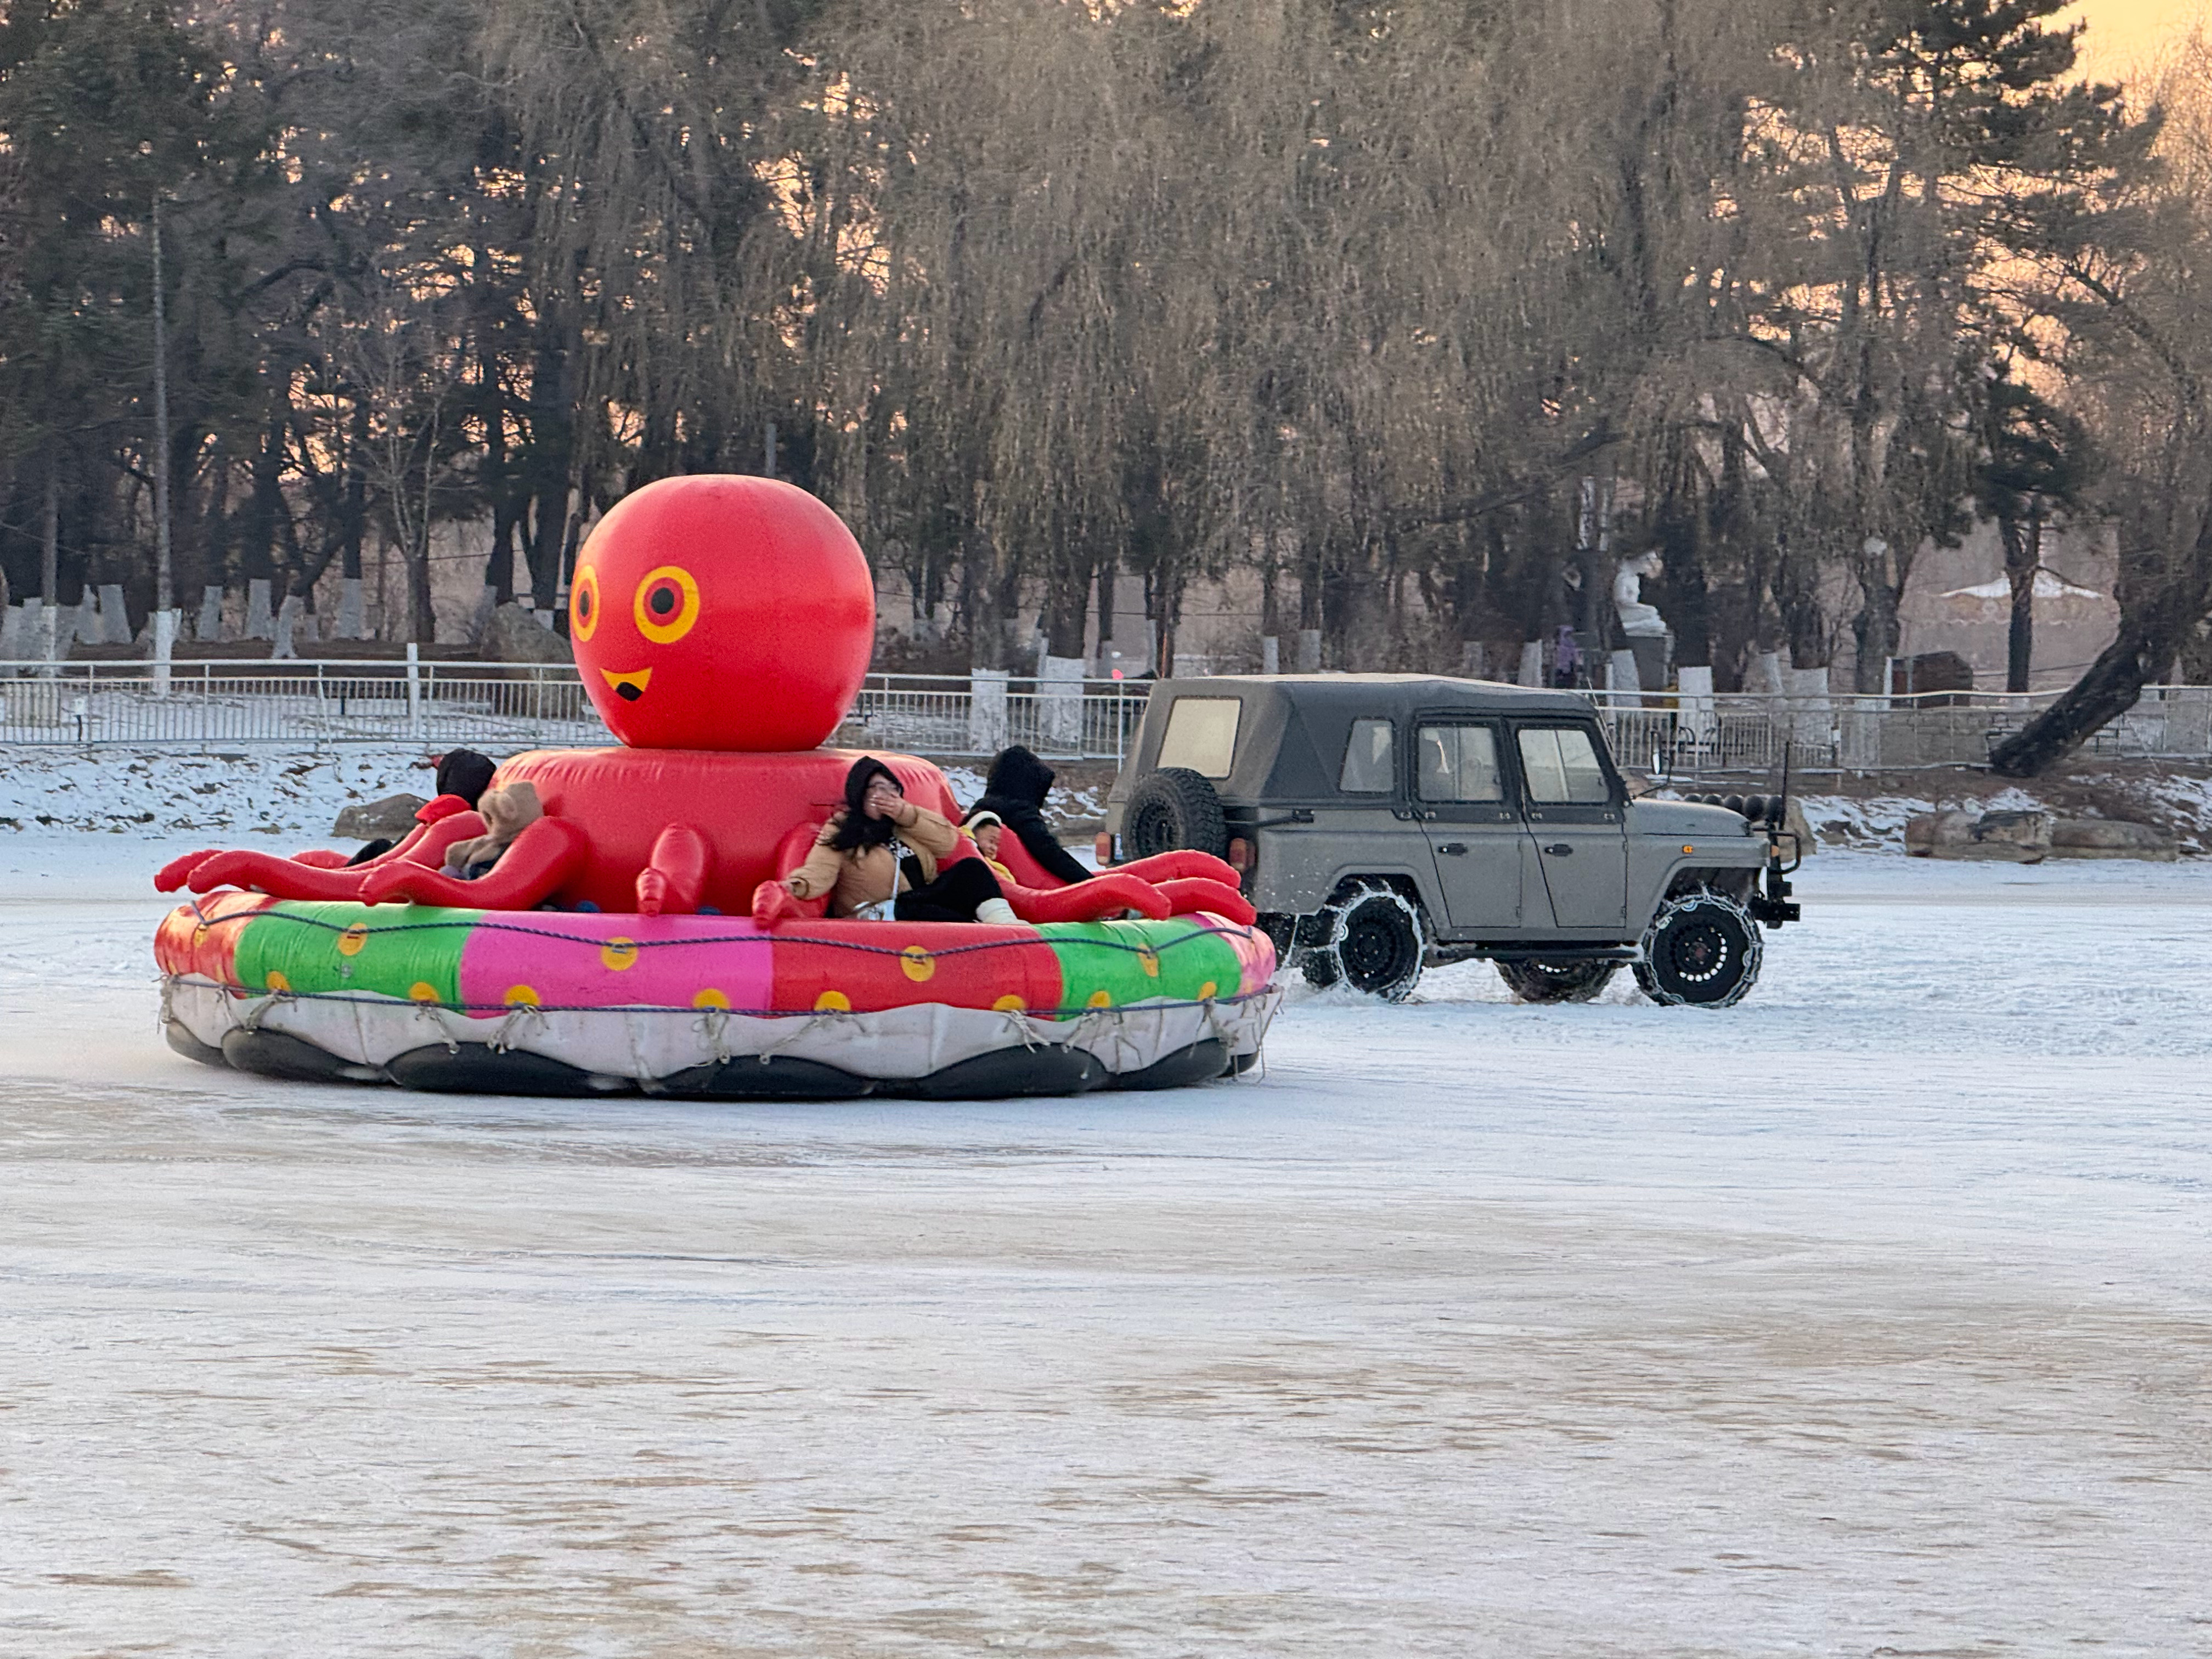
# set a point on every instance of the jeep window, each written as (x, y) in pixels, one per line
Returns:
(1562, 769)
(1370, 760)
(1460, 762)
(1201, 735)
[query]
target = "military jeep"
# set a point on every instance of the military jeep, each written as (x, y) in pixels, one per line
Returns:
(1383, 823)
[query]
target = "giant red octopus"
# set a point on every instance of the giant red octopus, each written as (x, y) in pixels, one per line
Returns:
(723, 625)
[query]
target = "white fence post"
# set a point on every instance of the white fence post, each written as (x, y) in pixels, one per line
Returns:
(414, 693)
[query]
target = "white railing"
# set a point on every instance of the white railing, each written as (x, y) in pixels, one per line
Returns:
(508, 706)
(1844, 731)
(511, 706)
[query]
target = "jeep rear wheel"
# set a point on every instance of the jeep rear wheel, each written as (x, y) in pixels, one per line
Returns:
(1375, 943)
(1556, 982)
(1702, 950)
(1170, 809)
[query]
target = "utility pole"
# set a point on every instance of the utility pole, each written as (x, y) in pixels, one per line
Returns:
(165, 614)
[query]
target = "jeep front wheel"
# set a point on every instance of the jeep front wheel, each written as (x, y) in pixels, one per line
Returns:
(1556, 982)
(1702, 950)
(1375, 942)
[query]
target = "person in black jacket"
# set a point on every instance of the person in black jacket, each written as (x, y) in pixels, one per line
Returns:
(1016, 790)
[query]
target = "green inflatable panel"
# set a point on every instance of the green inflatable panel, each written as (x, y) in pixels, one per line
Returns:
(394, 950)
(1176, 961)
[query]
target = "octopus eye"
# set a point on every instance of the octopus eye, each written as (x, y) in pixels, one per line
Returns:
(584, 604)
(667, 603)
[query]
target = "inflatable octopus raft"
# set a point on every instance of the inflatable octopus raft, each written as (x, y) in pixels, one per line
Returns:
(551, 1003)
(639, 937)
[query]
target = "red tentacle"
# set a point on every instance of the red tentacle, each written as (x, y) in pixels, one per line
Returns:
(1095, 900)
(675, 878)
(773, 903)
(1183, 861)
(543, 857)
(1193, 893)
(178, 870)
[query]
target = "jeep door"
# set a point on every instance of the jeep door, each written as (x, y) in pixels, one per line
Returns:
(1462, 795)
(1577, 812)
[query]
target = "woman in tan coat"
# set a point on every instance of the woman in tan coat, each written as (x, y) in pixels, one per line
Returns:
(883, 856)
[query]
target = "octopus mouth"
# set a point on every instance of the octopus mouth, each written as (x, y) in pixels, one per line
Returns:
(628, 687)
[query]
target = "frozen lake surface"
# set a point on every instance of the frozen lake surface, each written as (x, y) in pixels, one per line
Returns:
(1872, 1316)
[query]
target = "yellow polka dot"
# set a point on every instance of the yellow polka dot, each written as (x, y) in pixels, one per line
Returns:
(1149, 960)
(423, 991)
(1102, 999)
(1010, 1004)
(199, 936)
(276, 981)
(518, 996)
(711, 998)
(351, 940)
(833, 1001)
(918, 962)
(619, 953)
(1206, 990)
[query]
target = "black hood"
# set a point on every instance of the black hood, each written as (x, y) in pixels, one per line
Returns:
(464, 773)
(859, 830)
(1017, 775)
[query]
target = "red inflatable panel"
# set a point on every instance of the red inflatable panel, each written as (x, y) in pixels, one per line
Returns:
(866, 966)
(721, 611)
(744, 804)
(198, 940)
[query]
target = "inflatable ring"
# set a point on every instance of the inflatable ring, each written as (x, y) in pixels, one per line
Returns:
(540, 1002)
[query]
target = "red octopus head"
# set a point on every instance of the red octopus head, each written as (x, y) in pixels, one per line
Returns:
(720, 612)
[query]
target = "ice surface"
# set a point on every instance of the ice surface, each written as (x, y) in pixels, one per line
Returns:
(1868, 1317)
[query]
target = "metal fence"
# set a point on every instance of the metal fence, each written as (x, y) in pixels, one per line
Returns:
(1746, 733)
(315, 704)
(300, 704)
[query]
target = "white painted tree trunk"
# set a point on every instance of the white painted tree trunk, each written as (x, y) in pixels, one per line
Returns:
(210, 624)
(1699, 718)
(165, 647)
(1062, 689)
(353, 610)
(986, 711)
(114, 615)
(261, 623)
(287, 628)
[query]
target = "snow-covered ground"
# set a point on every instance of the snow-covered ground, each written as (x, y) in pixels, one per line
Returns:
(1871, 1316)
(265, 791)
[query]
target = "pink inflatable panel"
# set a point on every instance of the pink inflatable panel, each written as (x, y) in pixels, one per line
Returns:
(559, 960)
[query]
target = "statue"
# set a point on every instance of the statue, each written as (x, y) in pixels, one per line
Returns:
(1638, 621)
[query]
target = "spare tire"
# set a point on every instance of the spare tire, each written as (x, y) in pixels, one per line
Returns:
(1171, 809)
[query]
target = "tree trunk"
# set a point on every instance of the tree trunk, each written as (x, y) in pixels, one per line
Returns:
(50, 538)
(1067, 601)
(2108, 690)
(353, 514)
(421, 615)
(2153, 626)
(2023, 553)
(1876, 633)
